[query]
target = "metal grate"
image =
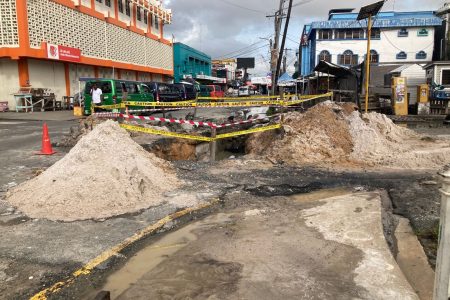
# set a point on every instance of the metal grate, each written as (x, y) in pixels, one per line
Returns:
(8, 23)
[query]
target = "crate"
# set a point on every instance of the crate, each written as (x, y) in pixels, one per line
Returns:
(4, 106)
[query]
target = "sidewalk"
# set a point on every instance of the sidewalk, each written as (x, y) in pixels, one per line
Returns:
(64, 115)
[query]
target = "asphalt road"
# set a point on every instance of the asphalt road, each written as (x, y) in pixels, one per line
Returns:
(20, 141)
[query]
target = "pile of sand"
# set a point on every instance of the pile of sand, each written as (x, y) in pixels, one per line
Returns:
(104, 175)
(336, 134)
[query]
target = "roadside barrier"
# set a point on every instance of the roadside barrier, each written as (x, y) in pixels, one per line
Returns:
(228, 102)
(180, 121)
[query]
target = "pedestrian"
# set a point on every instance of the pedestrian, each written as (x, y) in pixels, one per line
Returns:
(96, 94)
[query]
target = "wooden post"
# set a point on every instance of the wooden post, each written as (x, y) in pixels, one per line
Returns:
(369, 35)
(442, 279)
(213, 146)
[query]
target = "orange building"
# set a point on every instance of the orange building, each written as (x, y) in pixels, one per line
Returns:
(52, 43)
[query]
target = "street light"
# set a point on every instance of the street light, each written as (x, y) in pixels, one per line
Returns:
(367, 12)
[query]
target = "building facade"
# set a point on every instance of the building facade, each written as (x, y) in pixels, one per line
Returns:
(225, 68)
(397, 38)
(189, 62)
(52, 43)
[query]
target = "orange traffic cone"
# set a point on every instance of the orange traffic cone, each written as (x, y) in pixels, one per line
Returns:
(46, 144)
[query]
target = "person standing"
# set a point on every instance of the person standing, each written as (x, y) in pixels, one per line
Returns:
(96, 94)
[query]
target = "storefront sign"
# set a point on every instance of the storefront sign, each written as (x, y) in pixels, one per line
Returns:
(63, 53)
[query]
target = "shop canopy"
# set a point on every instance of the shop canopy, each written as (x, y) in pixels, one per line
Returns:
(286, 80)
(332, 69)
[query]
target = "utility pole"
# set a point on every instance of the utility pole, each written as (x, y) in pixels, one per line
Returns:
(285, 60)
(274, 51)
(368, 59)
(283, 42)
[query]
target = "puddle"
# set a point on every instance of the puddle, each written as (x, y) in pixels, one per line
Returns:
(148, 258)
(322, 194)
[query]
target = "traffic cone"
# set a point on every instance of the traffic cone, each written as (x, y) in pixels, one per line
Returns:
(46, 144)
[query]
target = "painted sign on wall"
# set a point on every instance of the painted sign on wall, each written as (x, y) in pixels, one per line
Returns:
(64, 53)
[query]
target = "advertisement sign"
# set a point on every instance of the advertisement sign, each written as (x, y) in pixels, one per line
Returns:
(64, 53)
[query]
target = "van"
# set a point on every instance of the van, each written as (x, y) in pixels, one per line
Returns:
(216, 91)
(244, 91)
(187, 91)
(114, 91)
(205, 91)
(164, 92)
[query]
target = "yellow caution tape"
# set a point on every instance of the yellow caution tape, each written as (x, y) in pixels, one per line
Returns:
(160, 104)
(166, 133)
(195, 137)
(108, 107)
(249, 131)
(239, 104)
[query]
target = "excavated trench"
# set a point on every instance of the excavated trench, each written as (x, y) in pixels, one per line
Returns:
(188, 150)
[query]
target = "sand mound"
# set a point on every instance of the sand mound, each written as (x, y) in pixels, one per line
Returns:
(104, 175)
(320, 135)
(331, 133)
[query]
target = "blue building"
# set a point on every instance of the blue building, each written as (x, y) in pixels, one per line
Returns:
(397, 38)
(189, 62)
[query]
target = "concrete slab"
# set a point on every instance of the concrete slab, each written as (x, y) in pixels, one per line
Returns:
(412, 260)
(282, 248)
(356, 221)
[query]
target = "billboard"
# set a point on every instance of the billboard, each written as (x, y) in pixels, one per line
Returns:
(246, 63)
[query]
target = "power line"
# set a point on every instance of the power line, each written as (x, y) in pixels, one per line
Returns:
(242, 7)
(242, 49)
(246, 52)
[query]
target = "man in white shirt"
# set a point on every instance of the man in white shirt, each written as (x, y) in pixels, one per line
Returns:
(96, 95)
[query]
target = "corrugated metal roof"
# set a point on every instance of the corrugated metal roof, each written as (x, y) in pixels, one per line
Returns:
(383, 20)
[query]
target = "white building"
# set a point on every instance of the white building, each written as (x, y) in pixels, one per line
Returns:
(397, 38)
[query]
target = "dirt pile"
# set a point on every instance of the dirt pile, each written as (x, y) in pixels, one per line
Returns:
(77, 132)
(104, 175)
(320, 135)
(331, 133)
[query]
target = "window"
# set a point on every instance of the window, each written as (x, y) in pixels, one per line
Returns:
(357, 34)
(127, 8)
(99, 1)
(422, 32)
(325, 55)
(145, 16)
(108, 3)
(445, 77)
(403, 32)
(374, 57)
(376, 33)
(325, 34)
(119, 87)
(421, 55)
(120, 6)
(138, 13)
(350, 34)
(156, 23)
(348, 58)
(402, 55)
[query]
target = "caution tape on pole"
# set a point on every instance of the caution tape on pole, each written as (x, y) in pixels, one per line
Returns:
(108, 107)
(195, 137)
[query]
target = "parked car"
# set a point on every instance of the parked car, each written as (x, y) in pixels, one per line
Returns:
(116, 91)
(216, 91)
(447, 120)
(164, 92)
(245, 91)
(205, 91)
(187, 91)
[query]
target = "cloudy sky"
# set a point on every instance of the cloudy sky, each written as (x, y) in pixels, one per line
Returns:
(230, 28)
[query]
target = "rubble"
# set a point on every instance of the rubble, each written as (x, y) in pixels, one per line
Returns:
(104, 175)
(331, 134)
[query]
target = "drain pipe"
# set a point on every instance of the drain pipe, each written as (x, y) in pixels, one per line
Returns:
(442, 279)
